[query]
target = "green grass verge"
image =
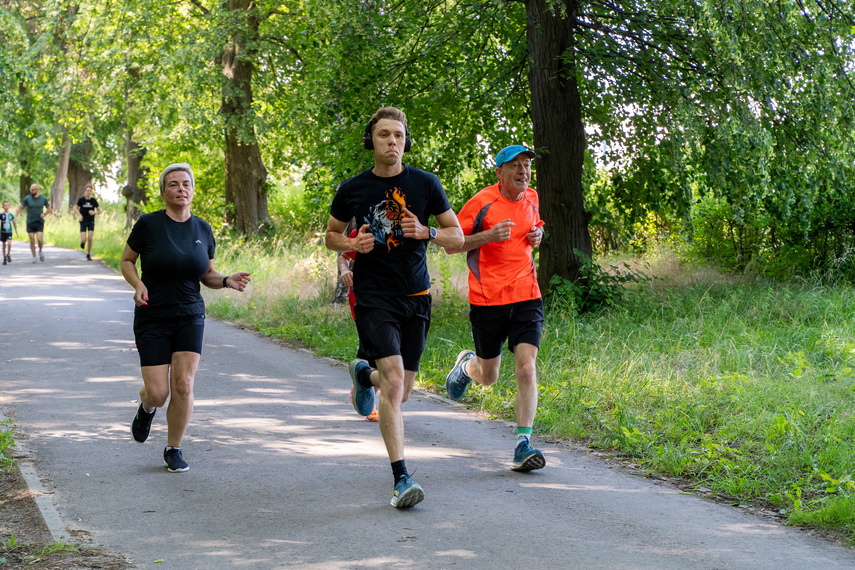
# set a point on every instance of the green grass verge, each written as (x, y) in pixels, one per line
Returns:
(7, 442)
(743, 386)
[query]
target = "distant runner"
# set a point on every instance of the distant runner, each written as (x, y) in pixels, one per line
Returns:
(7, 222)
(35, 204)
(87, 209)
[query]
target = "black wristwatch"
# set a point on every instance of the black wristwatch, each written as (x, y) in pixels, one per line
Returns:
(432, 232)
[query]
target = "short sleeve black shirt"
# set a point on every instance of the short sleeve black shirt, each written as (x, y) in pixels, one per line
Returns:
(173, 257)
(85, 206)
(397, 265)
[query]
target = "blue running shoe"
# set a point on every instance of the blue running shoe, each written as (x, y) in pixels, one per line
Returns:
(363, 398)
(407, 494)
(457, 381)
(526, 458)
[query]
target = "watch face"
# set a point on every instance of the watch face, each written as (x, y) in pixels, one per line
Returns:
(432, 233)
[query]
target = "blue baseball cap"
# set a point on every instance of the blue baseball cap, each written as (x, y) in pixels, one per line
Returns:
(508, 153)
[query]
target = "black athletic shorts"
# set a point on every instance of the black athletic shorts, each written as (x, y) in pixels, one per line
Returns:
(87, 224)
(517, 322)
(5, 236)
(37, 226)
(158, 338)
(389, 326)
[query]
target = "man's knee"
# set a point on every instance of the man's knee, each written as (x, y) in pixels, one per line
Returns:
(526, 373)
(392, 387)
(487, 371)
(181, 381)
(182, 388)
(156, 397)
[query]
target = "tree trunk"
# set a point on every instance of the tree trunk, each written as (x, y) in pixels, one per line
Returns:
(559, 139)
(57, 189)
(135, 190)
(245, 172)
(79, 172)
(24, 183)
(24, 153)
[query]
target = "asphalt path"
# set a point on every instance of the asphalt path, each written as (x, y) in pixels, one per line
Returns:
(284, 473)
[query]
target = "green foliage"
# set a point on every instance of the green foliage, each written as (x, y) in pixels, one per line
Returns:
(6, 443)
(737, 110)
(595, 289)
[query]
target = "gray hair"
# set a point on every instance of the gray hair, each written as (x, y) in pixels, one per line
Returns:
(179, 167)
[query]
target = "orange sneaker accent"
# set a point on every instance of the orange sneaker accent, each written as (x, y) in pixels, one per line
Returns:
(373, 416)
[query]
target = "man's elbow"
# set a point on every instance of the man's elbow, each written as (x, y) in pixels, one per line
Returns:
(329, 240)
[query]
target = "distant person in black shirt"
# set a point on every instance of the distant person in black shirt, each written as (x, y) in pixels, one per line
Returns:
(176, 253)
(87, 208)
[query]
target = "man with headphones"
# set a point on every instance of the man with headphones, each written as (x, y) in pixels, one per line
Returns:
(392, 203)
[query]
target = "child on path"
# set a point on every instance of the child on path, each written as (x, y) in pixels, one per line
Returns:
(7, 222)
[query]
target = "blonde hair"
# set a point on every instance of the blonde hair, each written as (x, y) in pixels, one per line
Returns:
(177, 167)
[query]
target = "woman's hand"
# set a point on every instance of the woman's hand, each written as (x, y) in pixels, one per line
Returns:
(238, 281)
(141, 295)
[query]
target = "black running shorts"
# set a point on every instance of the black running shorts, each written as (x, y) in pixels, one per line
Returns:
(517, 322)
(390, 326)
(36, 226)
(158, 338)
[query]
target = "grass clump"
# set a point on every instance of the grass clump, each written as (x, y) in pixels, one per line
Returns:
(7, 441)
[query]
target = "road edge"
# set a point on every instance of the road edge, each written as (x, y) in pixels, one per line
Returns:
(42, 498)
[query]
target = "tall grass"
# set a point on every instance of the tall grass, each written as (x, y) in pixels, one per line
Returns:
(740, 385)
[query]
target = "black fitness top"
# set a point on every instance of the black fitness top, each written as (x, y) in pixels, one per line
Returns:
(85, 206)
(173, 257)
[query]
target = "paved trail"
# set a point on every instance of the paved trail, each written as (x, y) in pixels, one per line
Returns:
(284, 473)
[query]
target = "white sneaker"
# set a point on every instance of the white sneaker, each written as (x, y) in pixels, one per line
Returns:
(35, 259)
(41, 256)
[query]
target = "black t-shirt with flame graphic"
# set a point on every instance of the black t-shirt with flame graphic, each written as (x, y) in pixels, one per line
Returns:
(397, 265)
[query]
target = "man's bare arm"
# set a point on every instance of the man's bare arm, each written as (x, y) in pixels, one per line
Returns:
(499, 232)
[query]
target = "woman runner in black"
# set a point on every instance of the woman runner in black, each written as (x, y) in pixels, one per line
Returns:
(176, 252)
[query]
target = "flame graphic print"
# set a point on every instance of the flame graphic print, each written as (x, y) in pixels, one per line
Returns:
(385, 219)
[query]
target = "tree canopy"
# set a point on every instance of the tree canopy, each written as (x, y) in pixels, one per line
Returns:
(728, 122)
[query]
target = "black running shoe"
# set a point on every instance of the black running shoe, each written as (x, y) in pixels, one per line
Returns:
(88, 257)
(142, 424)
(173, 461)
(82, 244)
